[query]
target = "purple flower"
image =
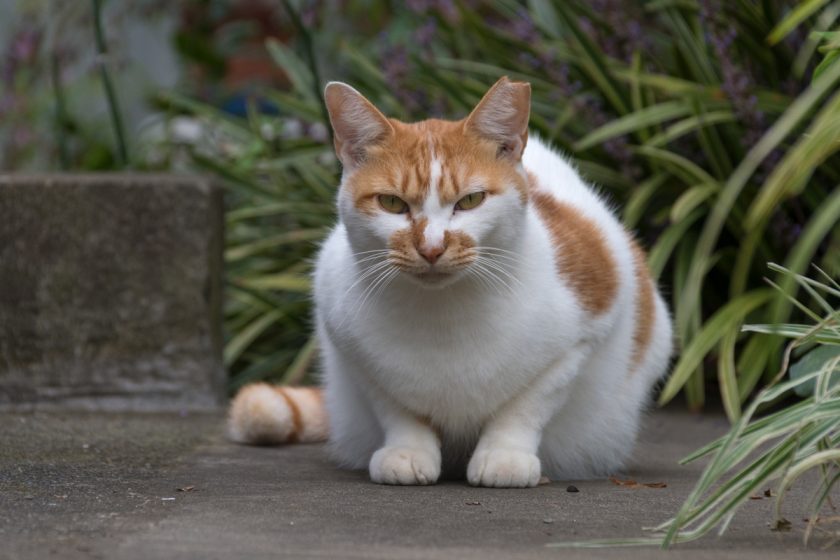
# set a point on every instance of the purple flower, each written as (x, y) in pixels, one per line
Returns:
(419, 6)
(425, 34)
(24, 45)
(530, 60)
(310, 12)
(21, 52)
(737, 82)
(448, 10)
(623, 20)
(395, 64)
(523, 27)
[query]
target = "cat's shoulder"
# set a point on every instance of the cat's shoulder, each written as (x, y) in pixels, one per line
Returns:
(590, 245)
(553, 173)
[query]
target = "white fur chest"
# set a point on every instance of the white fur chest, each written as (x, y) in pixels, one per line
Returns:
(453, 355)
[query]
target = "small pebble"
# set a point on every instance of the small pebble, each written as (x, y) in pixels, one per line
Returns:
(548, 521)
(168, 499)
(572, 488)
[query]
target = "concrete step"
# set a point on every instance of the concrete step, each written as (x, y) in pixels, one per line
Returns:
(110, 292)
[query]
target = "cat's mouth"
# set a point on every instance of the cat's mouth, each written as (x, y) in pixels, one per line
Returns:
(431, 275)
(434, 276)
(434, 279)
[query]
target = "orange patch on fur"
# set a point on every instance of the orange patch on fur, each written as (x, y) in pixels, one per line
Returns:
(644, 305)
(581, 253)
(297, 422)
(404, 242)
(458, 240)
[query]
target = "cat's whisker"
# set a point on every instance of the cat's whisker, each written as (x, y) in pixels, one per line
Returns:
(364, 267)
(369, 252)
(491, 277)
(499, 260)
(495, 271)
(372, 258)
(481, 248)
(498, 284)
(501, 269)
(372, 287)
(493, 248)
(476, 272)
(401, 260)
(368, 271)
(502, 260)
(512, 259)
(389, 278)
(373, 282)
(515, 258)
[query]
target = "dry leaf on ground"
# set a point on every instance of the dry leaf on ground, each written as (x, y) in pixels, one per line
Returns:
(630, 483)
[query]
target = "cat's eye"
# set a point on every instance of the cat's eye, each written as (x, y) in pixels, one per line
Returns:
(392, 204)
(470, 201)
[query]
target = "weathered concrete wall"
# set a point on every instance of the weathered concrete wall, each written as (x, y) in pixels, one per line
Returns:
(110, 292)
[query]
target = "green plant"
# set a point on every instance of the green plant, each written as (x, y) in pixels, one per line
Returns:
(281, 187)
(107, 84)
(780, 447)
(714, 124)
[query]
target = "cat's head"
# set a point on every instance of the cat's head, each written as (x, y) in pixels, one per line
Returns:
(437, 200)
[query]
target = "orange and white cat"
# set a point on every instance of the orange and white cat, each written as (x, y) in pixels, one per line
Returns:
(480, 310)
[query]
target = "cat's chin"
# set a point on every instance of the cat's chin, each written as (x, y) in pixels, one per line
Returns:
(434, 280)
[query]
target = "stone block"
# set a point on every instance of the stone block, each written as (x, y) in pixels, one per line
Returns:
(110, 292)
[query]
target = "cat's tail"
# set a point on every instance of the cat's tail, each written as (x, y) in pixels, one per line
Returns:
(263, 414)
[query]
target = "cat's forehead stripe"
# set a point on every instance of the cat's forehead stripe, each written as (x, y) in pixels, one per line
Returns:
(435, 168)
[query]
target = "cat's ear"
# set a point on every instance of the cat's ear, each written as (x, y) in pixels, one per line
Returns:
(502, 116)
(357, 124)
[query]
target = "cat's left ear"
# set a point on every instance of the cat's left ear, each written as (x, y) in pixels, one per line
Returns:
(502, 116)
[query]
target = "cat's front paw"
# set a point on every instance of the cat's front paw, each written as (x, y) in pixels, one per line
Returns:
(404, 465)
(503, 468)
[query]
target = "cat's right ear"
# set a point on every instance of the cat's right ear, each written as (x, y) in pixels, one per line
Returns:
(357, 124)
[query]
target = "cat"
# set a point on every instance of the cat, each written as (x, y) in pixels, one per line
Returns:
(480, 310)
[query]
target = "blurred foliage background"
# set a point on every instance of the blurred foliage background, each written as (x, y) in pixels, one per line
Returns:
(713, 126)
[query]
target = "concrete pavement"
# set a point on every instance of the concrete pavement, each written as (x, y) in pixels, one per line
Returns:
(170, 486)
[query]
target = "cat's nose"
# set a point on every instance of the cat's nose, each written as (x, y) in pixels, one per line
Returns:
(431, 254)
